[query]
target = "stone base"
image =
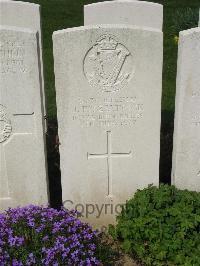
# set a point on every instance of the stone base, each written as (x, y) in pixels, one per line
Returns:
(5, 203)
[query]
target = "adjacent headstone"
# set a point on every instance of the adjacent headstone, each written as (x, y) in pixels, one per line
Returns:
(186, 153)
(25, 15)
(109, 108)
(199, 17)
(137, 13)
(22, 150)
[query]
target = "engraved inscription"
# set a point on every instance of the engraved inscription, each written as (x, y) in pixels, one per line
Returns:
(105, 112)
(12, 53)
(196, 93)
(109, 155)
(196, 120)
(108, 65)
(5, 124)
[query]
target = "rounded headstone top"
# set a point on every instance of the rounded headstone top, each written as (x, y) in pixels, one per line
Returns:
(19, 3)
(132, 12)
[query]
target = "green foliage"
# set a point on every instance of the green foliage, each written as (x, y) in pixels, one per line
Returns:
(107, 251)
(161, 226)
(185, 18)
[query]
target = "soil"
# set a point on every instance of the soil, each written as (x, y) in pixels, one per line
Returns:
(118, 258)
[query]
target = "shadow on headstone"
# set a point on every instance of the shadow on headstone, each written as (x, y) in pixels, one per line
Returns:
(166, 146)
(53, 158)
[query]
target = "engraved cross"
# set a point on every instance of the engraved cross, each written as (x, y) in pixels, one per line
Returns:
(109, 155)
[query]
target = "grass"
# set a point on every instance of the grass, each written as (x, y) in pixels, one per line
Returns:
(178, 15)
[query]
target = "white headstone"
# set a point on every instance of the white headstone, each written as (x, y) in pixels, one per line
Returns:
(22, 150)
(24, 15)
(199, 17)
(109, 108)
(186, 153)
(137, 13)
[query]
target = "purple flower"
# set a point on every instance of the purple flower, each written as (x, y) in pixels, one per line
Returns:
(45, 238)
(53, 236)
(15, 241)
(30, 260)
(16, 263)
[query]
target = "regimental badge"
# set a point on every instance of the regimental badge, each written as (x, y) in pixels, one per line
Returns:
(5, 124)
(108, 65)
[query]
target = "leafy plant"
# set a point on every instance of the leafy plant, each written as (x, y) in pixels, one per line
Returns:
(161, 226)
(185, 18)
(35, 235)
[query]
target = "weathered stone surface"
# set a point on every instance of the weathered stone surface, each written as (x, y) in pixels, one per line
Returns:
(22, 150)
(25, 15)
(186, 153)
(109, 108)
(136, 13)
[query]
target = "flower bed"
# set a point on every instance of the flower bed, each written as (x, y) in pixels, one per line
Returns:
(35, 235)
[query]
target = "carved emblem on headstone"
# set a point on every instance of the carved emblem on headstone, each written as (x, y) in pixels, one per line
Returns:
(5, 124)
(108, 65)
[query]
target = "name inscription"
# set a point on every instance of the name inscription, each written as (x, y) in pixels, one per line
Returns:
(106, 112)
(12, 55)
